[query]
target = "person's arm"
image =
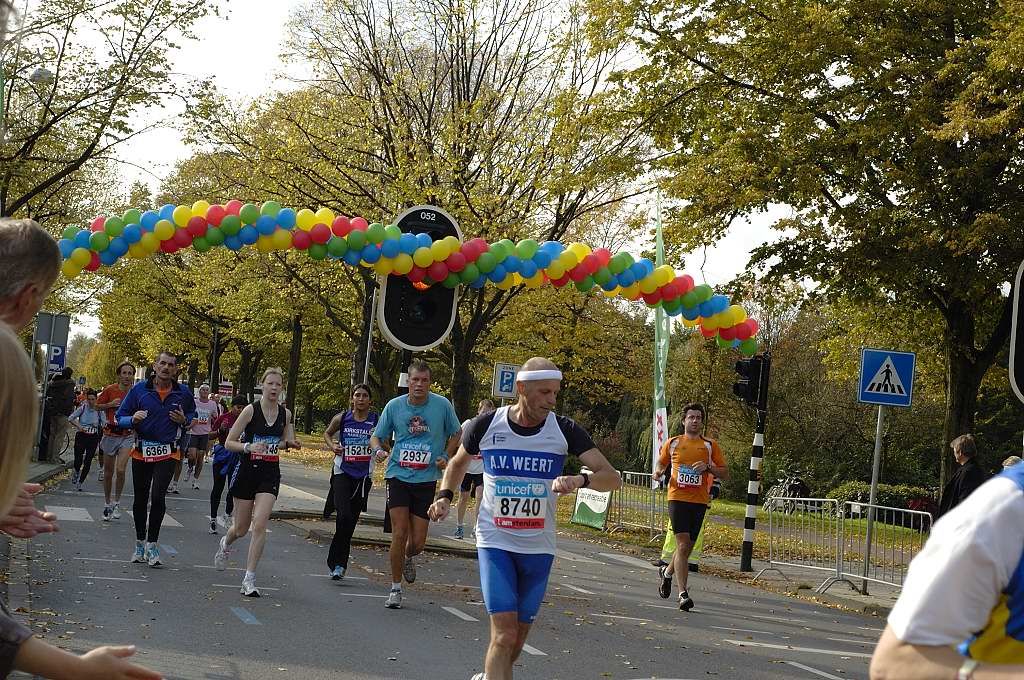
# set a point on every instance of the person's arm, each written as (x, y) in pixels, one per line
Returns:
(603, 476)
(332, 429)
(75, 415)
(897, 660)
(232, 443)
(290, 442)
(719, 467)
(36, 657)
(127, 411)
(663, 460)
(383, 431)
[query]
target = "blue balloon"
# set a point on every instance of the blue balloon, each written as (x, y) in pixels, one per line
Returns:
(166, 212)
(719, 303)
(735, 343)
(647, 265)
(390, 248)
(352, 257)
(118, 246)
(479, 282)
(498, 274)
(626, 278)
(248, 235)
(637, 270)
(149, 220)
(408, 243)
(132, 233)
(265, 225)
(542, 259)
(610, 284)
(66, 245)
(233, 242)
(108, 258)
(690, 313)
(82, 238)
(424, 240)
(286, 218)
(527, 269)
(512, 263)
(369, 254)
(706, 309)
(552, 248)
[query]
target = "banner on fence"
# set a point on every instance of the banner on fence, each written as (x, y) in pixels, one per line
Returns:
(591, 508)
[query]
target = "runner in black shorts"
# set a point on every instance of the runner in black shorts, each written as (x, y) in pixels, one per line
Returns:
(262, 428)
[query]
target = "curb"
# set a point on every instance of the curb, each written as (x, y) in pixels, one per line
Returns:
(879, 610)
(325, 537)
(47, 475)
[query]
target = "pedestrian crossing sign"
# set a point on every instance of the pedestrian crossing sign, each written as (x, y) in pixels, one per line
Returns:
(886, 377)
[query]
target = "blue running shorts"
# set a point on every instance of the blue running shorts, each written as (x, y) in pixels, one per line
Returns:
(512, 582)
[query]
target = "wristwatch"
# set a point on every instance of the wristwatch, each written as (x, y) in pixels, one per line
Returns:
(966, 671)
(586, 480)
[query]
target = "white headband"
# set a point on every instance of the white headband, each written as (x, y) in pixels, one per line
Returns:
(523, 376)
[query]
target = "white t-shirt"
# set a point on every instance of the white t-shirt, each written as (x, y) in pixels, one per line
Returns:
(476, 463)
(958, 577)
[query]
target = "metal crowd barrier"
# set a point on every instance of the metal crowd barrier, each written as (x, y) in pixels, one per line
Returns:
(804, 533)
(636, 505)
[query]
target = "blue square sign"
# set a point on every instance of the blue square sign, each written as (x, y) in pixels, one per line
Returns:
(886, 377)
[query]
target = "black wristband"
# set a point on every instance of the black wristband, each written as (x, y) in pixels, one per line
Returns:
(445, 494)
(586, 480)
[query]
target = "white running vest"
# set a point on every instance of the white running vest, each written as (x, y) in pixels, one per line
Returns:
(518, 510)
(476, 463)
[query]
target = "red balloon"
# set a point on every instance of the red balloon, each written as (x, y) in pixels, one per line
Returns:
(233, 207)
(469, 251)
(742, 330)
(558, 283)
(754, 326)
(169, 246)
(196, 226)
(94, 263)
(301, 239)
(456, 262)
(684, 284)
(438, 271)
(320, 233)
(728, 333)
(417, 274)
(603, 256)
(215, 214)
(652, 298)
(670, 291)
(98, 223)
(341, 226)
(182, 238)
(359, 224)
(578, 273)
(706, 333)
(481, 245)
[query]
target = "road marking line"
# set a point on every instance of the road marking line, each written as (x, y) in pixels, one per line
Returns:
(113, 578)
(876, 630)
(632, 561)
(383, 597)
(743, 630)
(573, 557)
(168, 549)
(460, 614)
(533, 651)
(624, 618)
(170, 521)
(246, 616)
(100, 559)
(811, 650)
(659, 606)
(70, 514)
(344, 578)
(299, 493)
(852, 642)
(814, 670)
(225, 585)
(774, 618)
(578, 590)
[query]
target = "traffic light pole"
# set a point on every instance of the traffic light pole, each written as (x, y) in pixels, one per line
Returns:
(403, 379)
(753, 492)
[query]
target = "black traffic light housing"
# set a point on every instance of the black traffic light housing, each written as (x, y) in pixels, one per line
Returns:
(409, 317)
(752, 385)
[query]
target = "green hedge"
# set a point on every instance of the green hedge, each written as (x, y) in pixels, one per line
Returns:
(891, 495)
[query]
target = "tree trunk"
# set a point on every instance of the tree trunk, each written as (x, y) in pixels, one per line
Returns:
(247, 368)
(359, 359)
(293, 363)
(307, 425)
(462, 373)
(193, 372)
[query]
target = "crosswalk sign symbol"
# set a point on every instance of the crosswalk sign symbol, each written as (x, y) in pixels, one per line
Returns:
(886, 377)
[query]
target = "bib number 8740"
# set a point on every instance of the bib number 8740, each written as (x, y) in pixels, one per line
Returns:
(520, 507)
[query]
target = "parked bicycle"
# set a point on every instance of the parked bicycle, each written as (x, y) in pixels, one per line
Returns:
(790, 486)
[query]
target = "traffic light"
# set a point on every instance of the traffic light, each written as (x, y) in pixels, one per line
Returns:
(752, 386)
(411, 315)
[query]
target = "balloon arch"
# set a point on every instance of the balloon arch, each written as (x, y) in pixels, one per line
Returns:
(385, 249)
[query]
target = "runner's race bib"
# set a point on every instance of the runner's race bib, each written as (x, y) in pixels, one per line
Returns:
(154, 451)
(272, 443)
(88, 429)
(417, 457)
(202, 417)
(520, 505)
(687, 477)
(356, 453)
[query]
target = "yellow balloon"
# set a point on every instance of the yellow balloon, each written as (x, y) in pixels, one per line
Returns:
(648, 284)
(200, 208)
(150, 241)
(631, 291)
(384, 266)
(664, 274)
(611, 293)
(305, 219)
(324, 216)
(535, 281)
(402, 264)
(712, 323)
(568, 260)
(440, 251)
(423, 257)
(282, 239)
(737, 314)
(507, 282)
(264, 244)
(688, 323)
(137, 251)
(182, 214)
(580, 250)
(453, 243)
(81, 257)
(163, 230)
(555, 270)
(70, 269)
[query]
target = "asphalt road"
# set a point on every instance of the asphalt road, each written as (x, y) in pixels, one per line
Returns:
(602, 617)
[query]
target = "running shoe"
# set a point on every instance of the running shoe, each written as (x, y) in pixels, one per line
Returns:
(175, 490)
(665, 587)
(220, 558)
(249, 587)
(409, 571)
(460, 532)
(337, 573)
(659, 562)
(394, 600)
(213, 526)
(101, 474)
(188, 474)
(685, 603)
(116, 512)
(195, 484)
(140, 553)
(224, 521)
(153, 555)
(74, 478)
(78, 486)
(479, 676)
(106, 513)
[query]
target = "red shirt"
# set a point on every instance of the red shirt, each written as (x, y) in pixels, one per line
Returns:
(109, 394)
(222, 425)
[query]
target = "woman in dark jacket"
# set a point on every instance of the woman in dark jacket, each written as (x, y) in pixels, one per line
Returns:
(968, 477)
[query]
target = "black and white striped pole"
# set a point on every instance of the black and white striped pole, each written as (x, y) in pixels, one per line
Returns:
(752, 388)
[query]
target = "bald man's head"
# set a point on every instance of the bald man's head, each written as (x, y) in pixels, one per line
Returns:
(539, 364)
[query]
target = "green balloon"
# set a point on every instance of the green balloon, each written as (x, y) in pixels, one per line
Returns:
(602, 276)
(249, 213)
(526, 249)
(506, 247)
(70, 233)
(487, 261)
(214, 236)
(131, 216)
(375, 233)
(722, 342)
(231, 225)
(585, 285)
(356, 239)
(392, 232)
(617, 264)
(99, 241)
(470, 273)
(270, 208)
(317, 251)
(451, 281)
(337, 246)
(627, 258)
(113, 226)
(671, 305)
(748, 347)
(201, 243)
(703, 293)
